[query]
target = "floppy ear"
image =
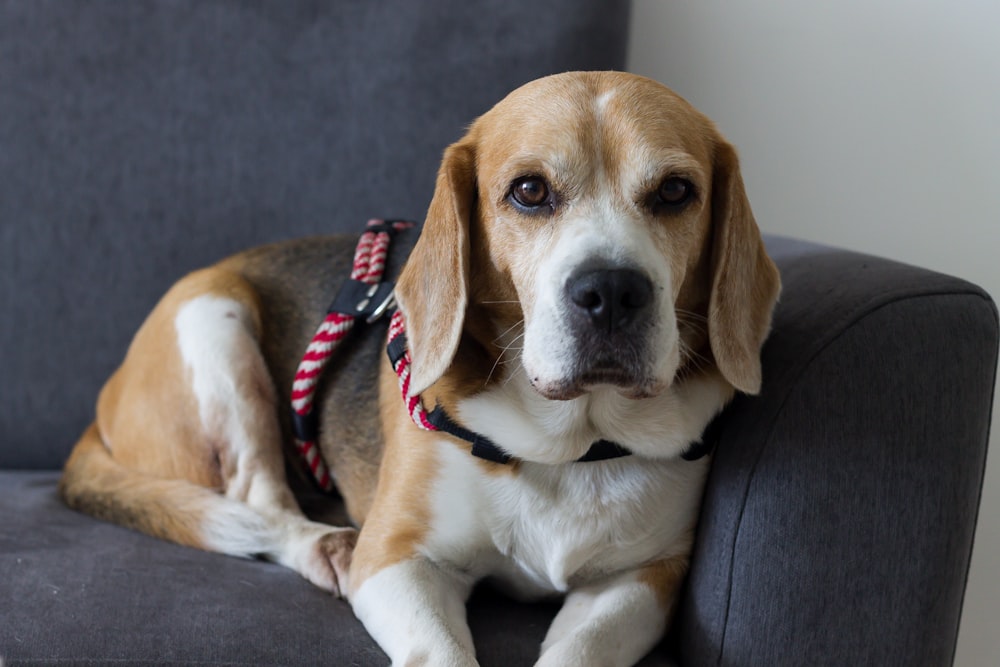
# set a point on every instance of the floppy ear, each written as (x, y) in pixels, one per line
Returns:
(433, 286)
(745, 282)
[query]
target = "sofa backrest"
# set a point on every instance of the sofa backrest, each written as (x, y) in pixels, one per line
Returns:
(140, 140)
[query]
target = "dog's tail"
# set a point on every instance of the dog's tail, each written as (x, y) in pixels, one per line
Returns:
(95, 483)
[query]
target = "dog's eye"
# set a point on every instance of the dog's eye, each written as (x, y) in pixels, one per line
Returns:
(530, 192)
(674, 191)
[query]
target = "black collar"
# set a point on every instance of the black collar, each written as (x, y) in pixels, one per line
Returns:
(484, 448)
(602, 450)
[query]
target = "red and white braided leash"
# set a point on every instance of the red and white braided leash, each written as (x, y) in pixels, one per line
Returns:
(369, 265)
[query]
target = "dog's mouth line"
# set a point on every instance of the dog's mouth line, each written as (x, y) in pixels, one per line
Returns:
(629, 384)
(607, 375)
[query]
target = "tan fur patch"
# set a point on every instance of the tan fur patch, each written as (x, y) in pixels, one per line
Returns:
(93, 482)
(665, 578)
(399, 518)
(147, 413)
(148, 450)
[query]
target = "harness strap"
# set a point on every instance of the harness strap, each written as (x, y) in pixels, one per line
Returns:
(363, 295)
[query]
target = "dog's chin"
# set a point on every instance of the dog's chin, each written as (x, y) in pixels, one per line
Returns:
(628, 384)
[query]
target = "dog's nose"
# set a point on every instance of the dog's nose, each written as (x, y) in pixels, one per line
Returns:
(610, 298)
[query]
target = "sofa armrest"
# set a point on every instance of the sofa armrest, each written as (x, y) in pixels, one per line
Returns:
(840, 511)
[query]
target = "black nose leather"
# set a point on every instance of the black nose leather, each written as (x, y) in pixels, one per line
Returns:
(609, 298)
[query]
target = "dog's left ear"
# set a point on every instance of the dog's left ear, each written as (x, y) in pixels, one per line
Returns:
(745, 282)
(433, 286)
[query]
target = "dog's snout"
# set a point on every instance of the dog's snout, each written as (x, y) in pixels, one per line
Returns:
(609, 298)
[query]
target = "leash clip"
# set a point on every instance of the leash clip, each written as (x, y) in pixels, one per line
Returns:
(387, 304)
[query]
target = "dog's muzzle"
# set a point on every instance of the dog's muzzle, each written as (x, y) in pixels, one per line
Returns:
(611, 312)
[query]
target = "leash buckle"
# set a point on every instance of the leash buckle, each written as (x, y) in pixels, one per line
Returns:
(367, 300)
(388, 303)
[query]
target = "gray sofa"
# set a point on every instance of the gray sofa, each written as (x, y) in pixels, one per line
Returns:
(139, 140)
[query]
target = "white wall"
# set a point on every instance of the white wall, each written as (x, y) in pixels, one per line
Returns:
(868, 124)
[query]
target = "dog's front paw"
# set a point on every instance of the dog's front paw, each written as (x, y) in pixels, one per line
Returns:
(327, 560)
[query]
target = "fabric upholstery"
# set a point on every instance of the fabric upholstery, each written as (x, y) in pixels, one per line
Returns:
(142, 139)
(76, 589)
(839, 515)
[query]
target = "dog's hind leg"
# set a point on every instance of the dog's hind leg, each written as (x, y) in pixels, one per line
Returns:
(188, 444)
(218, 339)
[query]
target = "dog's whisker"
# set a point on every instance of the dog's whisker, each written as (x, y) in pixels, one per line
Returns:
(507, 348)
(691, 314)
(511, 376)
(508, 330)
(692, 320)
(693, 359)
(696, 327)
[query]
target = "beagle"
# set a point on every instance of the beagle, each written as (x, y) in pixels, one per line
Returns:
(589, 270)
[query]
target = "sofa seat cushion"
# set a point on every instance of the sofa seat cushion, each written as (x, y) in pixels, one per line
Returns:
(80, 590)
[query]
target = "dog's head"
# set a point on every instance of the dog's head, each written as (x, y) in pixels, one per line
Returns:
(597, 224)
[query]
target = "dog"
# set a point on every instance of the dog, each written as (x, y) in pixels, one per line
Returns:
(589, 270)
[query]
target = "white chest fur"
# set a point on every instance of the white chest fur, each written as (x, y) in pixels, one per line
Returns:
(546, 528)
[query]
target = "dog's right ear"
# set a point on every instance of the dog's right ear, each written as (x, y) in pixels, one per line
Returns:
(432, 291)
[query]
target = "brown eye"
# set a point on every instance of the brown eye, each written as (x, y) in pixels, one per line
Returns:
(530, 192)
(674, 191)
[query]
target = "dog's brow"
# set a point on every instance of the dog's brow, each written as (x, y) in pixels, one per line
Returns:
(653, 165)
(549, 163)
